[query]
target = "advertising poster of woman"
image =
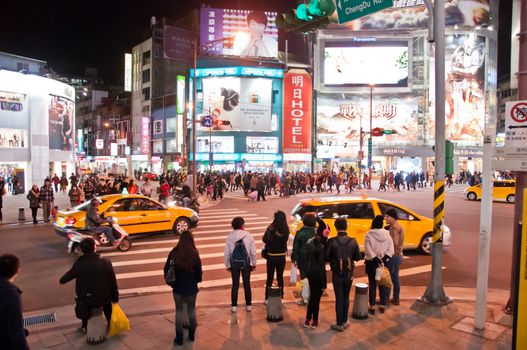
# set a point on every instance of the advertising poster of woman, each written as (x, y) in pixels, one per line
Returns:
(60, 123)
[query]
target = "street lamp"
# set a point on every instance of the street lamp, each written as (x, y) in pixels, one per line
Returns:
(110, 126)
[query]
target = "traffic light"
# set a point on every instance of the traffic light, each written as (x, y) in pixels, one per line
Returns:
(306, 17)
(377, 132)
(219, 122)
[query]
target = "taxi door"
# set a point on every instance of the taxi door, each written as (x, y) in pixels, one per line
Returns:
(414, 227)
(359, 216)
(126, 212)
(154, 216)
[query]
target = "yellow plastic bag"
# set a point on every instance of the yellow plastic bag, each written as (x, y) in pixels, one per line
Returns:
(386, 280)
(299, 286)
(119, 322)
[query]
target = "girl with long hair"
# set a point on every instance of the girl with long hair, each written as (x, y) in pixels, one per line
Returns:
(185, 261)
(275, 239)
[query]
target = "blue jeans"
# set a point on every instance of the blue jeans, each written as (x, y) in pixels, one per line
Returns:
(190, 300)
(394, 274)
(342, 288)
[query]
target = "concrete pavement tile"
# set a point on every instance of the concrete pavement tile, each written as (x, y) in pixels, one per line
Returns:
(492, 331)
(52, 339)
(136, 341)
(287, 334)
(464, 340)
(34, 342)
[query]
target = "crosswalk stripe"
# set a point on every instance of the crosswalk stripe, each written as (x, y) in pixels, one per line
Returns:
(227, 230)
(261, 277)
(197, 239)
(220, 210)
(226, 221)
(220, 215)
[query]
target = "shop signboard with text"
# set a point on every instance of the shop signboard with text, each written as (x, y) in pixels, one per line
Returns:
(145, 135)
(297, 111)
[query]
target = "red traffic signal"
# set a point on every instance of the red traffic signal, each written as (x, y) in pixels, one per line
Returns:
(377, 132)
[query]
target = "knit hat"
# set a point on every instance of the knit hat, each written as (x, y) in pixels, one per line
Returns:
(377, 222)
(392, 213)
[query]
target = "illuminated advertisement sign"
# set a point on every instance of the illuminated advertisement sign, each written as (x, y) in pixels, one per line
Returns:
(80, 140)
(180, 104)
(113, 149)
(145, 135)
(413, 14)
(238, 33)
(245, 103)
(360, 63)
(178, 44)
(261, 144)
(127, 72)
(464, 89)
(239, 71)
(11, 102)
(297, 110)
(60, 123)
(12, 138)
(220, 144)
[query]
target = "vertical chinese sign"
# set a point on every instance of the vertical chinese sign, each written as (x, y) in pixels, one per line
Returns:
(297, 111)
(145, 135)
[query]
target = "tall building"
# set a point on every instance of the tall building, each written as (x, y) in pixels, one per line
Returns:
(22, 64)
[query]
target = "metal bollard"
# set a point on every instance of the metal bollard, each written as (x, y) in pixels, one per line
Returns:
(274, 305)
(96, 330)
(21, 214)
(360, 303)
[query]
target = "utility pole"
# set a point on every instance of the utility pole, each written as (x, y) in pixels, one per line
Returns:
(370, 139)
(521, 176)
(194, 171)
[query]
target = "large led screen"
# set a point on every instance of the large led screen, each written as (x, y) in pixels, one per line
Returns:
(60, 123)
(245, 103)
(351, 63)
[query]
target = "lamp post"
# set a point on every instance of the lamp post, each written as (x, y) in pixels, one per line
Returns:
(370, 140)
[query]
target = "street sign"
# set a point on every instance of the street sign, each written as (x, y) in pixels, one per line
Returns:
(207, 121)
(510, 164)
(211, 159)
(389, 132)
(99, 143)
(348, 10)
(511, 152)
(370, 145)
(516, 124)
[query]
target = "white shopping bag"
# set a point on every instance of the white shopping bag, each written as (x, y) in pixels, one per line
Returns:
(293, 274)
(305, 290)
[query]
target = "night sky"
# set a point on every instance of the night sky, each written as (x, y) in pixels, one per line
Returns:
(73, 34)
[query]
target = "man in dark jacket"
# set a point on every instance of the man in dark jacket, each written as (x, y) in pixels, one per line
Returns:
(341, 252)
(12, 332)
(46, 199)
(95, 280)
(94, 221)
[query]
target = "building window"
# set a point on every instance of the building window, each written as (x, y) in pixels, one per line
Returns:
(146, 94)
(157, 146)
(146, 57)
(22, 66)
(171, 125)
(146, 76)
(158, 126)
(171, 146)
(146, 110)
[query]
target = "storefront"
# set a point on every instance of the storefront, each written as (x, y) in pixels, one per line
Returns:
(239, 162)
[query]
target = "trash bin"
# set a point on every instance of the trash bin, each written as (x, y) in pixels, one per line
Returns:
(274, 305)
(96, 330)
(21, 214)
(360, 303)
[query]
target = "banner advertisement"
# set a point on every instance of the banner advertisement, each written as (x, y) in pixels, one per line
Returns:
(11, 102)
(262, 144)
(339, 120)
(127, 72)
(145, 135)
(114, 149)
(178, 44)
(60, 123)
(243, 102)
(220, 144)
(180, 102)
(238, 33)
(297, 111)
(12, 138)
(99, 143)
(464, 89)
(80, 141)
(410, 14)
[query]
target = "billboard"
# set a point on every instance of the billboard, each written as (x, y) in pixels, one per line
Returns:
(178, 44)
(180, 102)
(464, 89)
(411, 14)
(127, 72)
(220, 144)
(297, 111)
(257, 144)
(364, 61)
(238, 33)
(60, 123)
(340, 117)
(11, 102)
(244, 102)
(145, 135)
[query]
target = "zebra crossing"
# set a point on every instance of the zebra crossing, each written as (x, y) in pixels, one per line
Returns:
(140, 270)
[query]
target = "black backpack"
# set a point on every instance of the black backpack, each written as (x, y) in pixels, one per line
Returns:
(240, 257)
(344, 257)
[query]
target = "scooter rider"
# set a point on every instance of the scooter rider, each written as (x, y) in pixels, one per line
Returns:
(94, 221)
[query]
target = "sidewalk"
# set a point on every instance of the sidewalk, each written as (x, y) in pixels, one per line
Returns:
(401, 327)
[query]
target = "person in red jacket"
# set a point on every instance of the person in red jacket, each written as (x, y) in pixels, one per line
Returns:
(164, 191)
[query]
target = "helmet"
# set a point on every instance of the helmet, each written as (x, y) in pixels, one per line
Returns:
(95, 200)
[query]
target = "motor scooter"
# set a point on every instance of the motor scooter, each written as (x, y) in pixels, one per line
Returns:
(102, 242)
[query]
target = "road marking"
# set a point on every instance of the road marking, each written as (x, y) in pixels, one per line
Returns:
(197, 239)
(226, 230)
(221, 210)
(222, 216)
(220, 224)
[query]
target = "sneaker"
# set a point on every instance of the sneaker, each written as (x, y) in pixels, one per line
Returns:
(381, 309)
(178, 341)
(248, 308)
(337, 327)
(371, 311)
(300, 302)
(394, 302)
(314, 324)
(82, 330)
(233, 309)
(306, 323)
(191, 337)
(346, 324)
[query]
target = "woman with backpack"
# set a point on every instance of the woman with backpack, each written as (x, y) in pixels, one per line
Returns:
(275, 240)
(183, 272)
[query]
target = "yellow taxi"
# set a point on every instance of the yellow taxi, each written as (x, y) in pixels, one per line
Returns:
(134, 213)
(359, 212)
(501, 190)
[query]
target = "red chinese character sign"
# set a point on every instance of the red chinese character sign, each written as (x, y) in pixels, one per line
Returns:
(297, 111)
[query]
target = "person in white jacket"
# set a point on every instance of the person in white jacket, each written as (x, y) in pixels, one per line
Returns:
(243, 263)
(378, 246)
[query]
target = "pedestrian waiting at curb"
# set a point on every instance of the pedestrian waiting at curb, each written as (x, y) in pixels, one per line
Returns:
(341, 253)
(240, 258)
(275, 239)
(378, 246)
(316, 275)
(299, 254)
(12, 332)
(95, 281)
(47, 199)
(186, 264)
(397, 234)
(34, 203)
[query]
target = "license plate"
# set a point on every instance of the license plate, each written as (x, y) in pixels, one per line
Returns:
(61, 221)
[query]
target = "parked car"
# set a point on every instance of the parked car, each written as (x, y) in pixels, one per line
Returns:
(359, 212)
(150, 175)
(501, 190)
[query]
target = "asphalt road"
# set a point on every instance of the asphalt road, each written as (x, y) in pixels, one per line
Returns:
(44, 257)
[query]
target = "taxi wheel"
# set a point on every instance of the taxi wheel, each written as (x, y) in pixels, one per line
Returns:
(472, 196)
(511, 198)
(125, 245)
(425, 244)
(181, 224)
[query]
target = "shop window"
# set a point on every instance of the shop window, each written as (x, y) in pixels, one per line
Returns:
(171, 146)
(170, 125)
(158, 126)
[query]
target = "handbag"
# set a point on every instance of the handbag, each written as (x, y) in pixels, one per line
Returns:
(264, 253)
(170, 277)
(378, 272)
(82, 309)
(119, 322)
(385, 280)
(293, 274)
